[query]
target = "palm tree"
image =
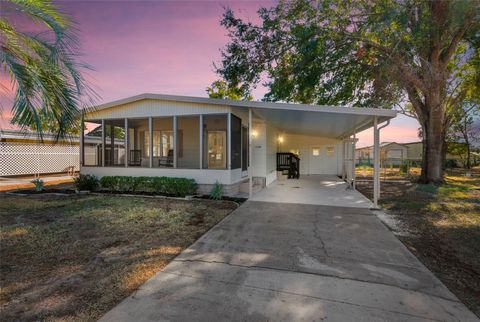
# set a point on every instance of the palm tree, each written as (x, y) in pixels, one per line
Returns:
(42, 67)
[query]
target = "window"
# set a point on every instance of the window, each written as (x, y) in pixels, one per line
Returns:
(215, 141)
(330, 151)
(146, 144)
(217, 152)
(315, 152)
(162, 143)
(167, 142)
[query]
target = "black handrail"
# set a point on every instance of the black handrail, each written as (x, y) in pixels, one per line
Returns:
(290, 162)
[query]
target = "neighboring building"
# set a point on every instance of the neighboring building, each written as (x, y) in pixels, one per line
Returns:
(209, 139)
(414, 151)
(23, 153)
(391, 154)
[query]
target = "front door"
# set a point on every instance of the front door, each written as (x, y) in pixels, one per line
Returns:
(315, 159)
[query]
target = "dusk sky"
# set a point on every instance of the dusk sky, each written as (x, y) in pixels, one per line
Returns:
(164, 47)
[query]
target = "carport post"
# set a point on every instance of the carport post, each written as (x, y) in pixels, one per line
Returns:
(344, 152)
(103, 142)
(250, 130)
(126, 142)
(150, 142)
(353, 158)
(376, 162)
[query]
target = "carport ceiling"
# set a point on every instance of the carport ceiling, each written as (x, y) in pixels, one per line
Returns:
(323, 121)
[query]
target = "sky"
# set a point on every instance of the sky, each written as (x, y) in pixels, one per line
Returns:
(166, 47)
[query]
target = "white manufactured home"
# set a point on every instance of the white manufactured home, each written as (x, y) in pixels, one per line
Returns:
(237, 143)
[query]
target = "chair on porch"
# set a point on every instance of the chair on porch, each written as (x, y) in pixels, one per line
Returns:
(166, 161)
(135, 158)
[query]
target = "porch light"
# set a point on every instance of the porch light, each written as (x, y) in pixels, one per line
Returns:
(254, 133)
(280, 139)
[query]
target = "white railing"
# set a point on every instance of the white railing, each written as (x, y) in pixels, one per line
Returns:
(36, 158)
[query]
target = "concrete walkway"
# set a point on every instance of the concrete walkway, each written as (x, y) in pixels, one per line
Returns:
(24, 182)
(313, 190)
(294, 262)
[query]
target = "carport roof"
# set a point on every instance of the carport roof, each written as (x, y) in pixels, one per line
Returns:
(318, 120)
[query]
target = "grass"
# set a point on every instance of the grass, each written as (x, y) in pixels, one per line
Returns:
(73, 258)
(444, 226)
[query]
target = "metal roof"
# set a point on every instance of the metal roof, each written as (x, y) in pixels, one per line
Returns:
(320, 120)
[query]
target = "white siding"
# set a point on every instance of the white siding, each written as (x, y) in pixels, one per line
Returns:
(271, 151)
(259, 150)
(302, 144)
(201, 176)
(148, 107)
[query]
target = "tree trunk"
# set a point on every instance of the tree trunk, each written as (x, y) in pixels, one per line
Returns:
(434, 146)
(468, 164)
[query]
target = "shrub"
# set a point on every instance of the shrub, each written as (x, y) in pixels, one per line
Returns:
(39, 185)
(405, 167)
(217, 191)
(86, 182)
(430, 188)
(178, 187)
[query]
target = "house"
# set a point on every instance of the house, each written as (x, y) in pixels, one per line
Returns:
(391, 154)
(232, 142)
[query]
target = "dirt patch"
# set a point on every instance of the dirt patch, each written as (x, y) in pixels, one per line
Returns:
(75, 258)
(443, 224)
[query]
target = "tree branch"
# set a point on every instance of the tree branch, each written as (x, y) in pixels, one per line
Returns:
(447, 54)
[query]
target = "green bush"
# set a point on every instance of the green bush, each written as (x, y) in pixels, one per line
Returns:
(405, 167)
(178, 187)
(217, 191)
(430, 188)
(86, 182)
(39, 185)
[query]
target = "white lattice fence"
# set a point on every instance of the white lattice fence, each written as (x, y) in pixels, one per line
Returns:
(31, 158)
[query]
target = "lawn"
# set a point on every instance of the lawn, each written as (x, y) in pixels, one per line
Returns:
(441, 226)
(73, 258)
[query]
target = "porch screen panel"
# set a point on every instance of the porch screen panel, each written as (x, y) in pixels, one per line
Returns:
(114, 142)
(215, 141)
(138, 143)
(245, 148)
(236, 142)
(92, 143)
(188, 142)
(163, 142)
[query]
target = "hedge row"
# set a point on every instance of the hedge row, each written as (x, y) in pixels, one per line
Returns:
(178, 187)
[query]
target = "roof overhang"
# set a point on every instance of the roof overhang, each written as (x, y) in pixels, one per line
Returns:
(315, 120)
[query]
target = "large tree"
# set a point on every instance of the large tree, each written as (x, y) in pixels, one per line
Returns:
(42, 65)
(360, 53)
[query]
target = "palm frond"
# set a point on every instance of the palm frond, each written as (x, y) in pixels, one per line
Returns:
(50, 88)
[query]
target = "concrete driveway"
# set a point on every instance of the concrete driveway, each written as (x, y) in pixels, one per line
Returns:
(294, 262)
(315, 189)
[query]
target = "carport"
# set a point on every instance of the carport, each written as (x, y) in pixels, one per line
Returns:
(325, 190)
(340, 124)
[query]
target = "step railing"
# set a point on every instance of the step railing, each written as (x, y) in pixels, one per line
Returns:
(287, 161)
